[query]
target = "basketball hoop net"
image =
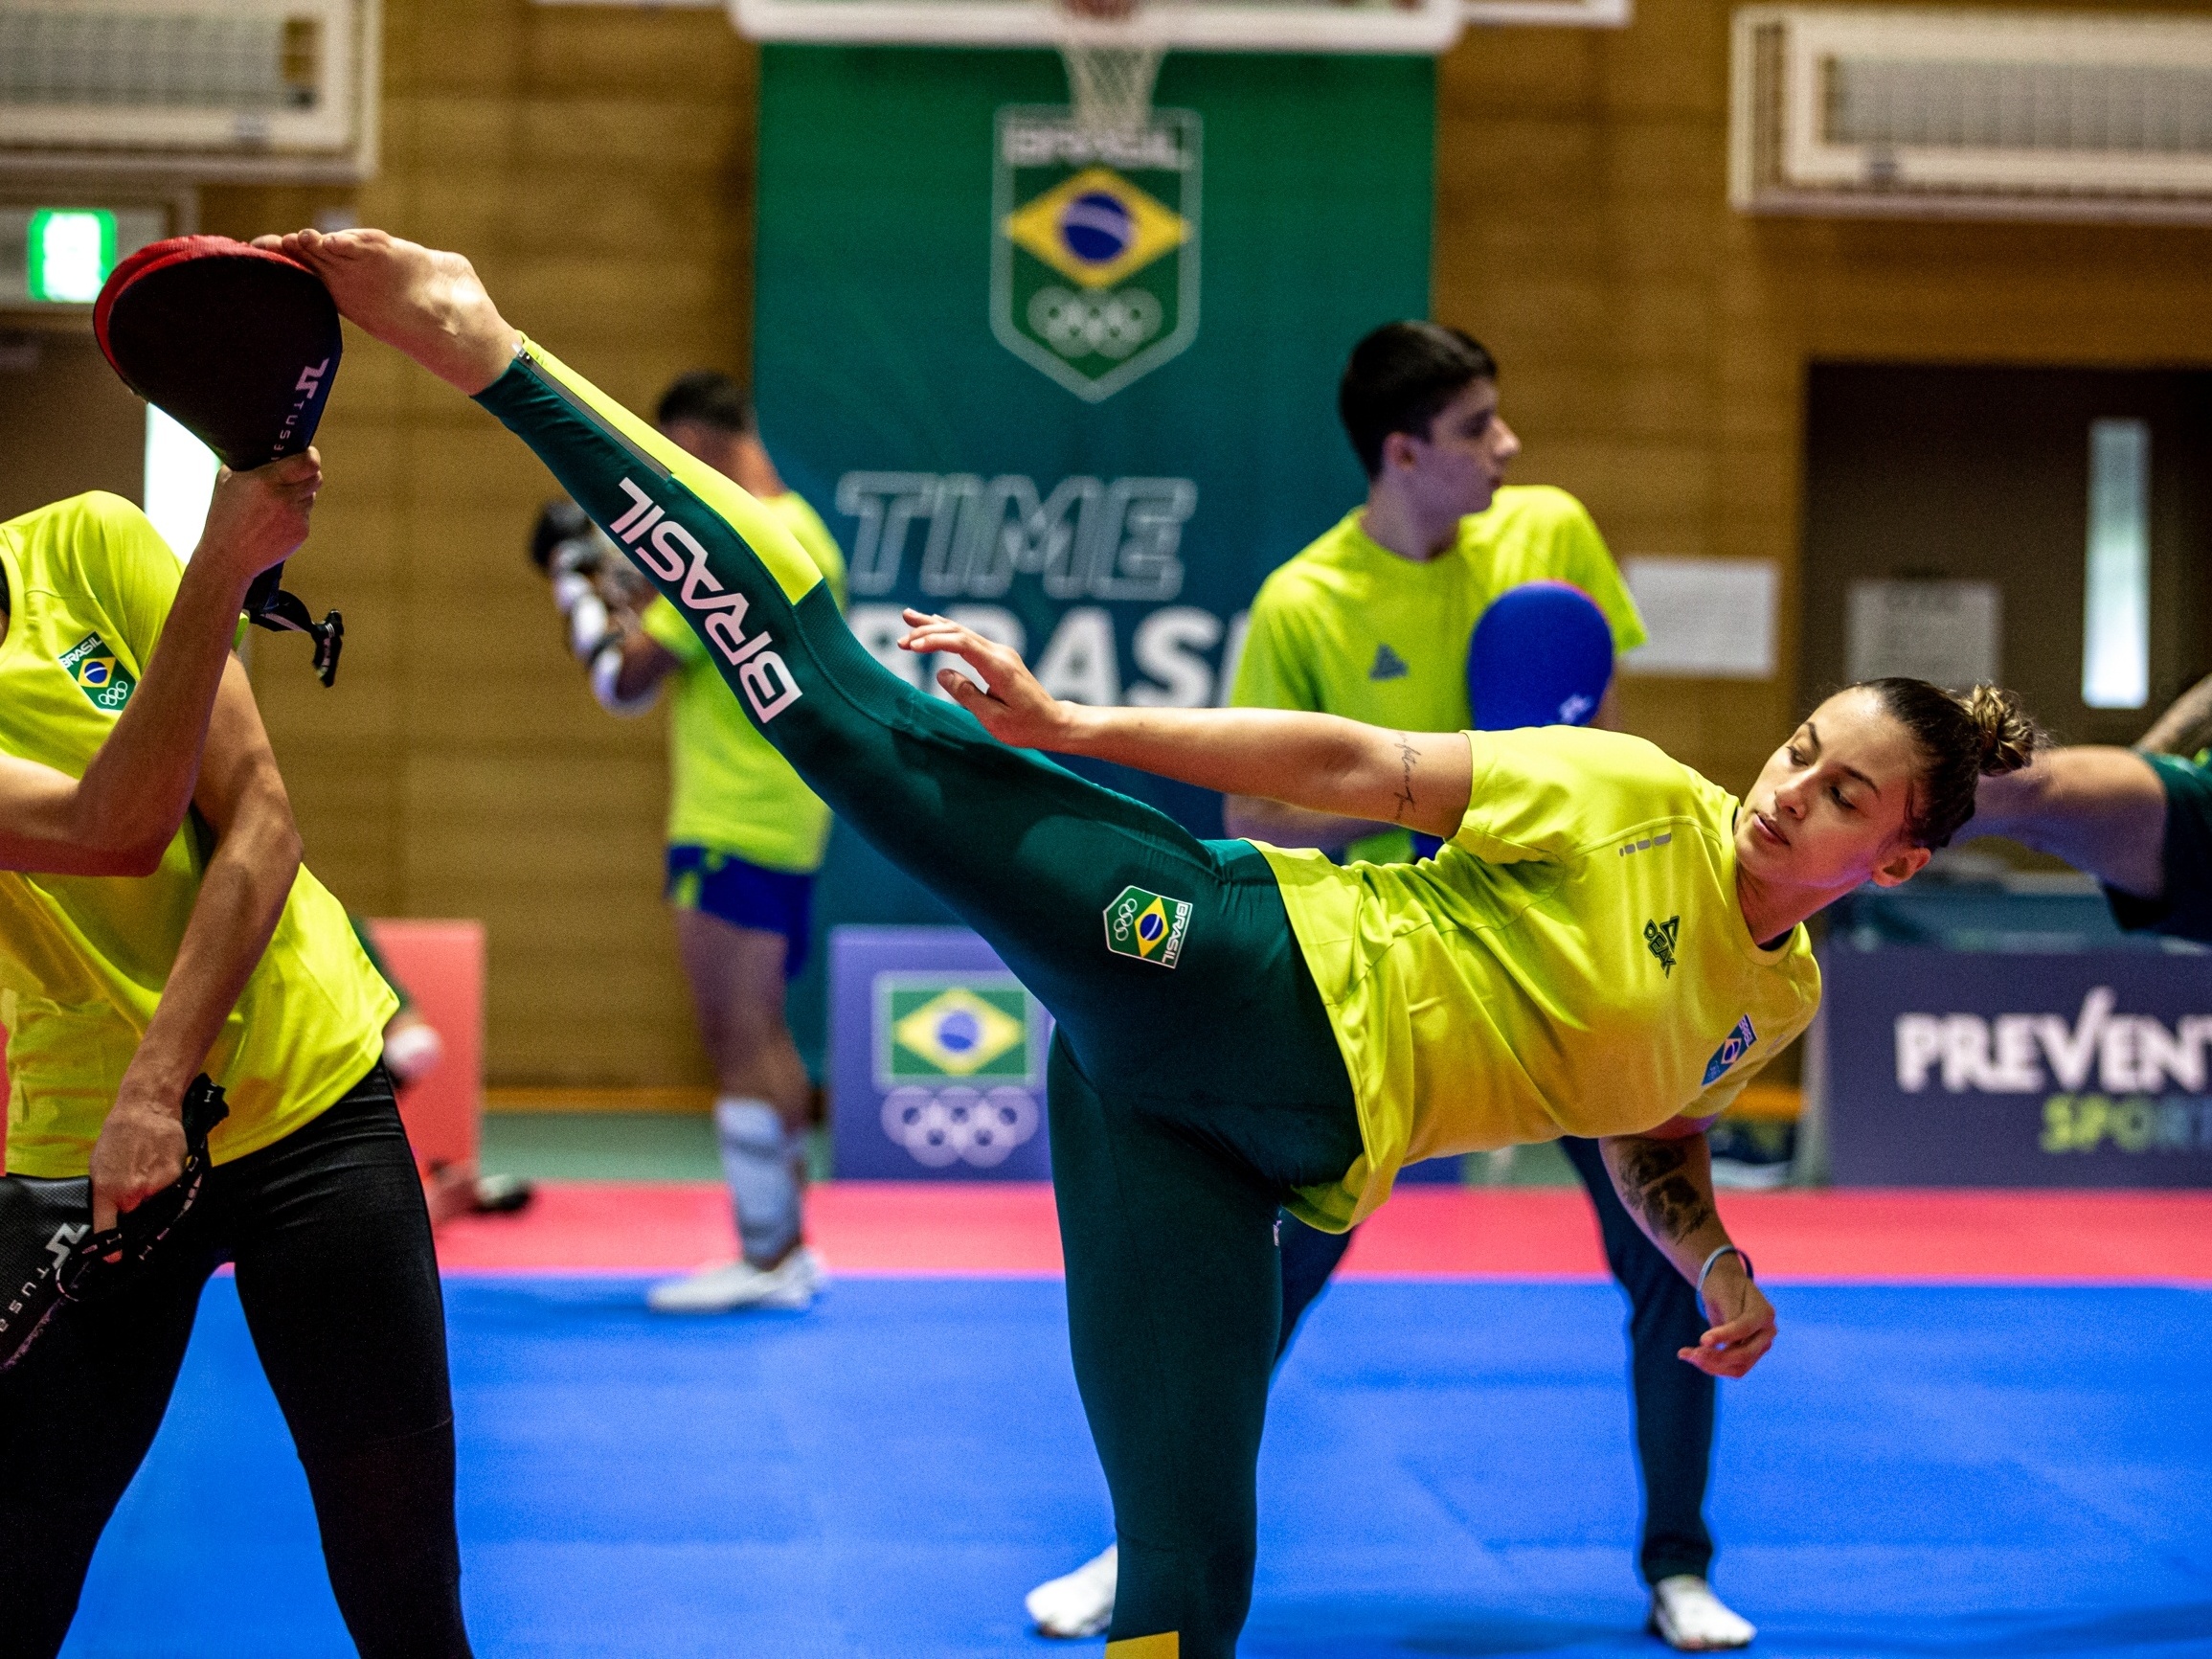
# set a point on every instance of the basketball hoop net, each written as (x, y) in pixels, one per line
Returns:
(1110, 68)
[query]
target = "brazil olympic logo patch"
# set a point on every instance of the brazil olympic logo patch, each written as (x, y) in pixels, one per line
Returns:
(1094, 245)
(99, 674)
(1149, 926)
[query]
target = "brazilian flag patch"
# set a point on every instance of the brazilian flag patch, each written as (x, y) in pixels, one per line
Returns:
(99, 674)
(1149, 926)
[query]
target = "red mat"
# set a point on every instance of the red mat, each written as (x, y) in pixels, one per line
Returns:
(1008, 1228)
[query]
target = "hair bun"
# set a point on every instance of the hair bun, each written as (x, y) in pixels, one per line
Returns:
(2009, 738)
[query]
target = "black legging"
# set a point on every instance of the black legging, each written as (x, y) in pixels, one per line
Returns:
(339, 1284)
(1673, 1402)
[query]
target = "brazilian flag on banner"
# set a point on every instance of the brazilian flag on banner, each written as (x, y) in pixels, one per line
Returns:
(931, 1027)
(1076, 390)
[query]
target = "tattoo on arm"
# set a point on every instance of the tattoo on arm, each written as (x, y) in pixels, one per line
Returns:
(1408, 759)
(1652, 1172)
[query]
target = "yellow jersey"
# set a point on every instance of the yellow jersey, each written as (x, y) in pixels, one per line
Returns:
(1349, 627)
(1574, 962)
(730, 791)
(84, 960)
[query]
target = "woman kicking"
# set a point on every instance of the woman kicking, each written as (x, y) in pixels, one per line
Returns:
(1609, 946)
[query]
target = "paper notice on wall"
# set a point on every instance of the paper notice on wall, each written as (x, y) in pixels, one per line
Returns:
(1708, 617)
(1945, 631)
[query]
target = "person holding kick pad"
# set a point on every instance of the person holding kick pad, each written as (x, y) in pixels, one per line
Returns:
(138, 949)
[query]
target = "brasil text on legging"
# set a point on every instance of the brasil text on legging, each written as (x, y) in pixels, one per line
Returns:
(1197, 1079)
(1184, 1103)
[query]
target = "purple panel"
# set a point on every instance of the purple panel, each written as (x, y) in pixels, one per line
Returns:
(937, 1059)
(1954, 1068)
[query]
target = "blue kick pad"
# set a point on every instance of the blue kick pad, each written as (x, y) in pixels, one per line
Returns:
(1914, 1473)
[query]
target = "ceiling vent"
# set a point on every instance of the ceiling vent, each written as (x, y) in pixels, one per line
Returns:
(215, 89)
(2022, 115)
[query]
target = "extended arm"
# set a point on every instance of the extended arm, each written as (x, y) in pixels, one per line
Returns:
(1319, 762)
(2101, 810)
(119, 817)
(2184, 728)
(242, 893)
(1666, 1180)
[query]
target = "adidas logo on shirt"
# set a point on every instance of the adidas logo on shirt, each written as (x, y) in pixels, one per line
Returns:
(1389, 665)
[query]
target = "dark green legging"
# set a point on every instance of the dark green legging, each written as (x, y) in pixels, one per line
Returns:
(1187, 1100)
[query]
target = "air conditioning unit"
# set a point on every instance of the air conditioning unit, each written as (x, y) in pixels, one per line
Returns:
(267, 90)
(2021, 115)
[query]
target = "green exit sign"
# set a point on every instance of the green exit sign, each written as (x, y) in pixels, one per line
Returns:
(70, 253)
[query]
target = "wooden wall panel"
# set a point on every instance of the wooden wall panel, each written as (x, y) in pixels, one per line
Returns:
(1654, 344)
(597, 164)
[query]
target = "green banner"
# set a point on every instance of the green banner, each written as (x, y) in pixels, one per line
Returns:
(1079, 392)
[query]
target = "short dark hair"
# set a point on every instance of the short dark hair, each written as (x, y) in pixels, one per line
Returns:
(708, 397)
(1399, 378)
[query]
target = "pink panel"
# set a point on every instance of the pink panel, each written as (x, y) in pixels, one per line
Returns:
(442, 965)
(1009, 1229)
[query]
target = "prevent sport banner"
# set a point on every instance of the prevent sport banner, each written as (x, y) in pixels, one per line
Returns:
(1078, 393)
(2089, 1068)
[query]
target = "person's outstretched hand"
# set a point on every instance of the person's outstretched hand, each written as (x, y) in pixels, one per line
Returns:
(1011, 705)
(1745, 1324)
(259, 519)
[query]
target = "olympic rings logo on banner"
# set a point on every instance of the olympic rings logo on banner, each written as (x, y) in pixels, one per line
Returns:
(940, 1127)
(1111, 325)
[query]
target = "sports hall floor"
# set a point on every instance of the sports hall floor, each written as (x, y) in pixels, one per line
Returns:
(1985, 1434)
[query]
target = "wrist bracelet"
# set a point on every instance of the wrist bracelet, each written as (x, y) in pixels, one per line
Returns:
(1706, 1272)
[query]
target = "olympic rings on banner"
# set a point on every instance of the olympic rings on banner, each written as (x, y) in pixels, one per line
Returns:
(946, 1127)
(1110, 325)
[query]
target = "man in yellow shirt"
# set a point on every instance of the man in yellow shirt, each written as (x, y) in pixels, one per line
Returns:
(745, 840)
(138, 947)
(1611, 946)
(1373, 622)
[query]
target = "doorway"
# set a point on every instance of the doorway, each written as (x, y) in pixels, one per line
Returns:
(1960, 499)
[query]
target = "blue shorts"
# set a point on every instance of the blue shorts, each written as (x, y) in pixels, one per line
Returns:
(724, 886)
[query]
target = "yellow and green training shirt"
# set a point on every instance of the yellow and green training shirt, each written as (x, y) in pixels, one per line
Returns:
(1349, 627)
(83, 959)
(1574, 962)
(730, 791)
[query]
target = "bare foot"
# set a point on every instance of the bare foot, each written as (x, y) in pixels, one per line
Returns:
(426, 304)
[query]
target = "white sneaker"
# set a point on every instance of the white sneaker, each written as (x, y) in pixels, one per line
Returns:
(1687, 1616)
(722, 1286)
(1081, 1603)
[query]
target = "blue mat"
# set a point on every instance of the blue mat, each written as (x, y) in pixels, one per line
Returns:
(1972, 1472)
